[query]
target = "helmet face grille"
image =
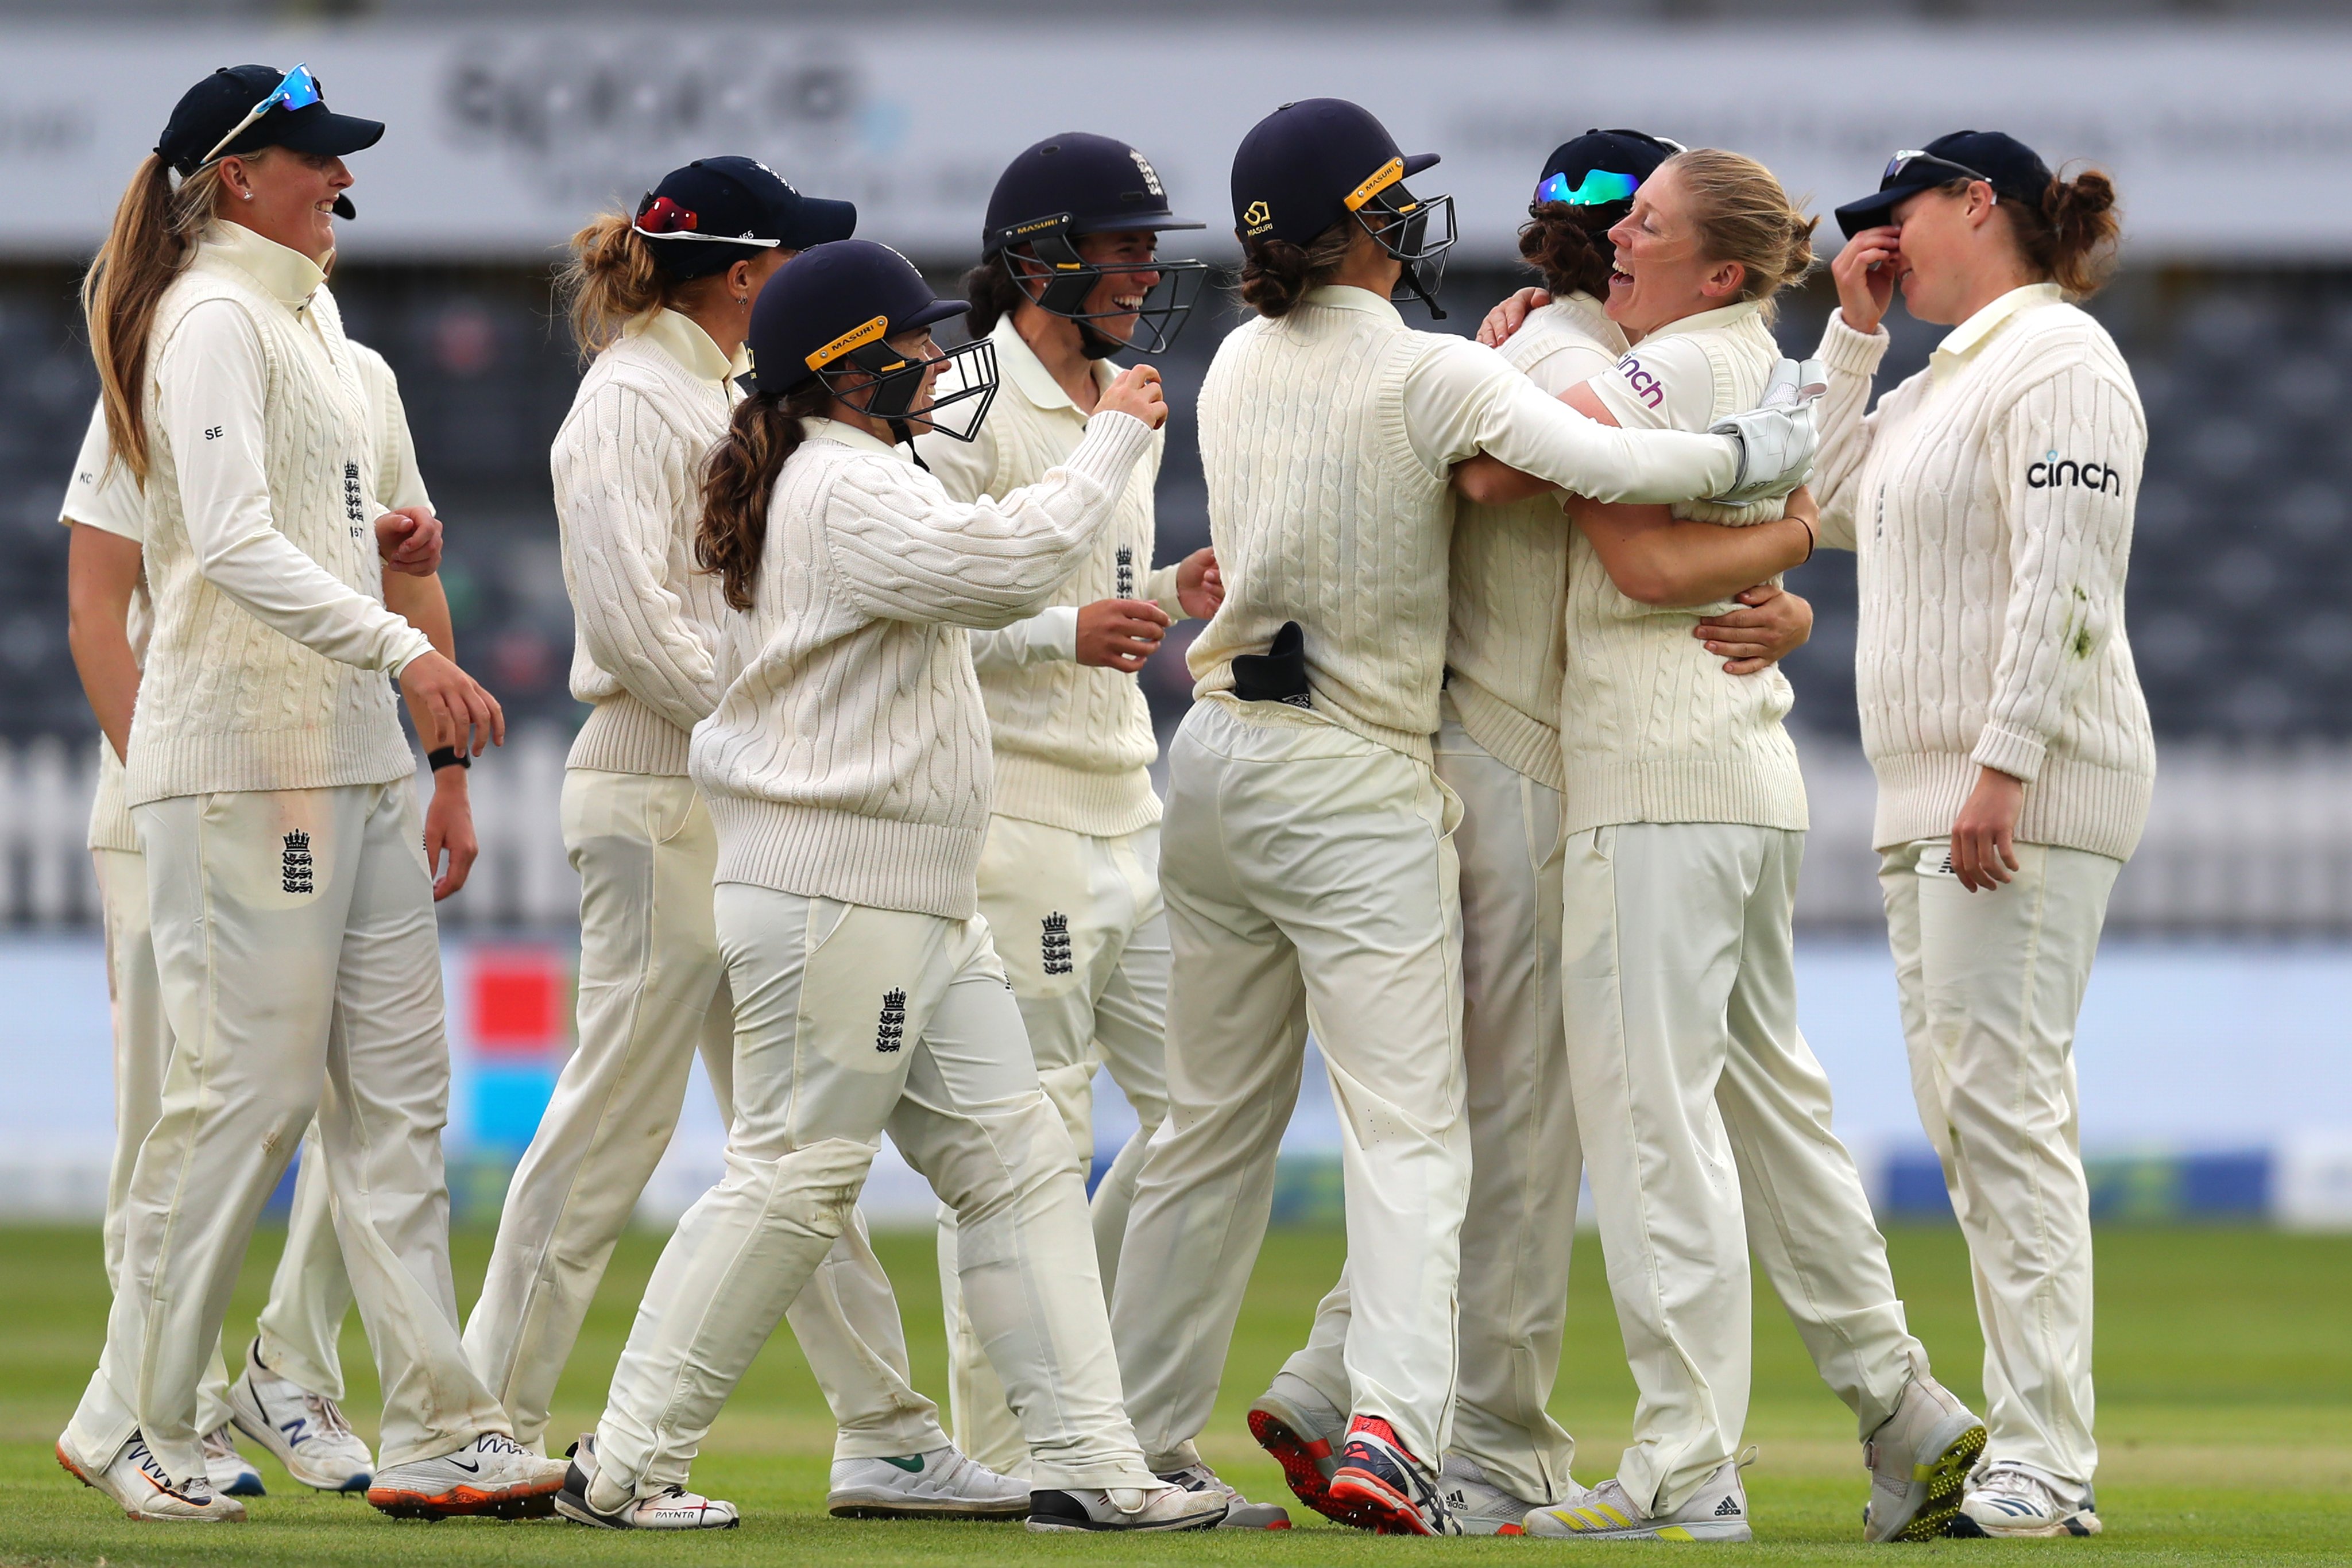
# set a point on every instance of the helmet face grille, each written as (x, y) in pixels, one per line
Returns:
(882, 383)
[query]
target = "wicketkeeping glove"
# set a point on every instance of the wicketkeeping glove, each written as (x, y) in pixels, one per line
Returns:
(1777, 436)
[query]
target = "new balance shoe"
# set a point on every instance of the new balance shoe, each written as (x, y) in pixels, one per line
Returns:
(1240, 1513)
(303, 1431)
(1304, 1431)
(945, 1483)
(1383, 1482)
(1479, 1505)
(1124, 1508)
(583, 1501)
(1918, 1463)
(138, 1482)
(2006, 1500)
(492, 1475)
(227, 1469)
(1717, 1512)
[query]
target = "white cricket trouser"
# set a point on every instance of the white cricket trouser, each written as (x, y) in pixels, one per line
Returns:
(653, 990)
(1991, 983)
(301, 974)
(1077, 922)
(850, 1022)
(1310, 874)
(1705, 1122)
(1525, 1160)
(310, 1293)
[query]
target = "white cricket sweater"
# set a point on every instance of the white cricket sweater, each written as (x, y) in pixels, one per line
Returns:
(1652, 729)
(1989, 498)
(627, 465)
(1073, 742)
(265, 669)
(1328, 438)
(1508, 642)
(848, 756)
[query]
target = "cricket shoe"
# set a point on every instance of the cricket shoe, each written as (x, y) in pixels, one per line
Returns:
(944, 1483)
(303, 1431)
(1717, 1512)
(227, 1469)
(1919, 1460)
(1380, 1480)
(672, 1508)
(1479, 1506)
(1124, 1508)
(2006, 1500)
(1304, 1431)
(137, 1481)
(1240, 1513)
(492, 1475)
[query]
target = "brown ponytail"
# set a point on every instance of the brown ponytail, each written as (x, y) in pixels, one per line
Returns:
(739, 478)
(1569, 245)
(1277, 274)
(152, 242)
(994, 295)
(1742, 214)
(2071, 237)
(611, 280)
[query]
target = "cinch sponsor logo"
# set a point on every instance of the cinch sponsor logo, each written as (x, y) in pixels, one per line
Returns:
(1646, 387)
(2054, 472)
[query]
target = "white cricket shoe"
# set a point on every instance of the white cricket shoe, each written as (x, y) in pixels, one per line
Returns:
(1717, 1512)
(2010, 1501)
(583, 1502)
(1124, 1508)
(493, 1474)
(944, 1483)
(1240, 1513)
(227, 1469)
(304, 1431)
(137, 1481)
(1918, 1463)
(1482, 1507)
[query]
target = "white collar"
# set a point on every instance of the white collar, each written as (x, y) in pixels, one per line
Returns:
(286, 276)
(1348, 297)
(849, 436)
(1589, 315)
(681, 336)
(1026, 373)
(1722, 316)
(1960, 344)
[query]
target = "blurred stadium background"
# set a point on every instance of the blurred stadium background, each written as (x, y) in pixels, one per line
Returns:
(2212, 1049)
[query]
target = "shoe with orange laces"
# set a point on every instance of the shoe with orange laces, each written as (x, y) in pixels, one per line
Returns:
(1379, 1476)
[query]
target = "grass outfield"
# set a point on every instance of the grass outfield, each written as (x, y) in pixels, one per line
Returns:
(2225, 1379)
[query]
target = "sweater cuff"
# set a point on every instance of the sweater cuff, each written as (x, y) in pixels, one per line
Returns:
(1160, 588)
(1856, 353)
(1108, 451)
(1056, 635)
(406, 651)
(2009, 751)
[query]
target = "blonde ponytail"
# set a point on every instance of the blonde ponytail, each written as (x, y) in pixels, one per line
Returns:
(152, 240)
(1742, 214)
(611, 281)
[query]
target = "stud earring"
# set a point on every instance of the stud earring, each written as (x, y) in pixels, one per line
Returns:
(247, 195)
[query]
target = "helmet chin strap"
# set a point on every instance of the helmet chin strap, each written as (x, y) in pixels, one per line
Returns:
(1412, 280)
(1094, 343)
(904, 435)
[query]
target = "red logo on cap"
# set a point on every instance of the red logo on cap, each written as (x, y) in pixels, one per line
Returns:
(664, 216)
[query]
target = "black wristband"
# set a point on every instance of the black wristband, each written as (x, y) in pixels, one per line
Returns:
(442, 757)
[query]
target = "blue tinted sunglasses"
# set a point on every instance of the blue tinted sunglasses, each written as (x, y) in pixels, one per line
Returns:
(298, 90)
(1600, 188)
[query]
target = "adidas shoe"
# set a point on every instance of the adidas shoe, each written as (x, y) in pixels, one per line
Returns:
(1918, 1462)
(1717, 1512)
(2011, 1500)
(1240, 1513)
(227, 1469)
(137, 1481)
(672, 1508)
(945, 1483)
(1379, 1478)
(1479, 1505)
(1124, 1508)
(304, 1431)
(493, 1474)
(1303, 1430)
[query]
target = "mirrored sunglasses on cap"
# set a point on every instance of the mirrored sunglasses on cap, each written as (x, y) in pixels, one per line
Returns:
(1600, 188)
(658, 217)
(1912, 158)
(298, 89)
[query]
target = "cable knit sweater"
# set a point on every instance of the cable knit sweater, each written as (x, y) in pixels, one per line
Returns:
(1652, 728)
(627, 465)
(1506, 645)
(848, 757)
(1074, 743)
(271, 642)
(1989, 498)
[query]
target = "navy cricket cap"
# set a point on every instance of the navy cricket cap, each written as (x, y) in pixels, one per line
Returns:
(1634, 153)
(716, 212)
(211, 110)
(832, 298)
(1101, 185)
(1298, 167)
(2011, 168)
